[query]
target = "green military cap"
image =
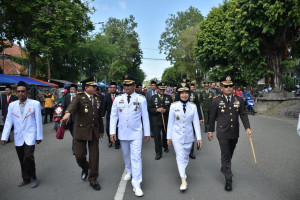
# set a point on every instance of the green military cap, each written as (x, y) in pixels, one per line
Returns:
(206, 83)
(162, 86)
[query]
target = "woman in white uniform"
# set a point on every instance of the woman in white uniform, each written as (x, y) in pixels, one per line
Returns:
(182, 117)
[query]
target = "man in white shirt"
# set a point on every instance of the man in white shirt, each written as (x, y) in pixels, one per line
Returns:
(129, 110)
(25, 115)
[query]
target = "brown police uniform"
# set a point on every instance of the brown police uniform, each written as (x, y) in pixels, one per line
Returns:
(87, 129)
(227, 113)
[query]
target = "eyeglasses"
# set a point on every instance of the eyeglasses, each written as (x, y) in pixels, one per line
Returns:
(21, 91)
(226, 86)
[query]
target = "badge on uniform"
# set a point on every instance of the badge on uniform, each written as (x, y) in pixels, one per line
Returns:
(177, 117)
(222, 110)
(86, 110)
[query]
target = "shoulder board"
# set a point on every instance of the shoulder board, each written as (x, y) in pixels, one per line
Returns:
(174, 102)
(141, 95)
(192, 103)
(79, 93)
(218, 97)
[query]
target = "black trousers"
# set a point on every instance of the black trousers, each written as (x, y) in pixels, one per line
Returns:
(107, 131)
(227, 147)
(80, 151)
(71, 129)
(160, 141)
(48, 111)
(26, 158)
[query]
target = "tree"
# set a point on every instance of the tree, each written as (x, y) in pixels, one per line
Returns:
(128, 55)
(261, 33)
(45, 26)
(172, 75)
(169, 40)
(252, 36)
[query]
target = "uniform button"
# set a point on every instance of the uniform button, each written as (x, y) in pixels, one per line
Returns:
(230, 108)
(183, 132)
(127, 126)
(92, 124)
(93, 113)
(93, 119)
(231, 126)
(184, 116)
(231, 120)
(183, 127)
(230, 113)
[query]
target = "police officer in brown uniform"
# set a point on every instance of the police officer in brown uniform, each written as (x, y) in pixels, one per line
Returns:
(87, 130)
(226, 109)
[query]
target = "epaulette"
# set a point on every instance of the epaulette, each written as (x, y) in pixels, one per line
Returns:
(218, 96)
(192, 102)
(79, 93)
(174, 102)
(141, 95)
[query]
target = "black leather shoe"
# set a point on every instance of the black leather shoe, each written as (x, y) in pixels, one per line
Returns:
(84, 174)
(166, 150)
(110, 144)
(228, 186)
(22, 183)
(95, 185)
(157, 157)
(117, 146)
(192, 156)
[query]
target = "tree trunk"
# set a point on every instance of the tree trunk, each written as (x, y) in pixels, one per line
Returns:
(33, 65)
(273, 60)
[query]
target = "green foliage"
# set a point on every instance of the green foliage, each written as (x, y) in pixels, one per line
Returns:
(125, 48)
(248, 38)
(170, 39)
(289, 82)
(172, 75)
(45, 26)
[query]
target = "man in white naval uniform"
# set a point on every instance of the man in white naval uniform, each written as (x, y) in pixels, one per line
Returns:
(183, 116)
(131, 111)
(25, 115)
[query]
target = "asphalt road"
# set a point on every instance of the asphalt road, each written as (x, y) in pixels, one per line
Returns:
(276, 177)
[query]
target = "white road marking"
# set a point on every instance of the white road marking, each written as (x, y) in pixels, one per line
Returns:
(121, 188)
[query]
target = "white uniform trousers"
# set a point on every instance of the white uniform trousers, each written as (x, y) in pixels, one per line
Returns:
(133, 161)
(182, 151)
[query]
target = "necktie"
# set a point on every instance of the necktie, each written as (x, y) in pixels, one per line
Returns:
(7, 99)
(228, 99)
(113, 97)
(128, 98)
(91, 98)
(184, 105)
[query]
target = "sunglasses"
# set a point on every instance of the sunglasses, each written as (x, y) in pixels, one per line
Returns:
(21, 91)
(226, 86)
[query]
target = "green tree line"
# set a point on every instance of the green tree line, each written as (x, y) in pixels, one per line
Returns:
(249, 39)
(56, 37)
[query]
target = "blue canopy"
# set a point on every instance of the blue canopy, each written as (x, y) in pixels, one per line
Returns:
(102, 84)
(6, 80)
(15, 79)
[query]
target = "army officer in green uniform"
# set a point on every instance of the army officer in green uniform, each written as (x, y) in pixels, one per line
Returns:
(159, 110)
(226, 109)
(206, 98)
(88, 129)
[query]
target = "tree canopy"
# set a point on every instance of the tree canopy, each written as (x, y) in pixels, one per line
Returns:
(250, 39)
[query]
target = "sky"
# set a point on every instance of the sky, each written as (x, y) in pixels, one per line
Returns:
(150, 17)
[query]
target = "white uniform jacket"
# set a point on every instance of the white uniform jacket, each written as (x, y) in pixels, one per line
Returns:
(130, 117)
(27, 127)
(180, 125)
